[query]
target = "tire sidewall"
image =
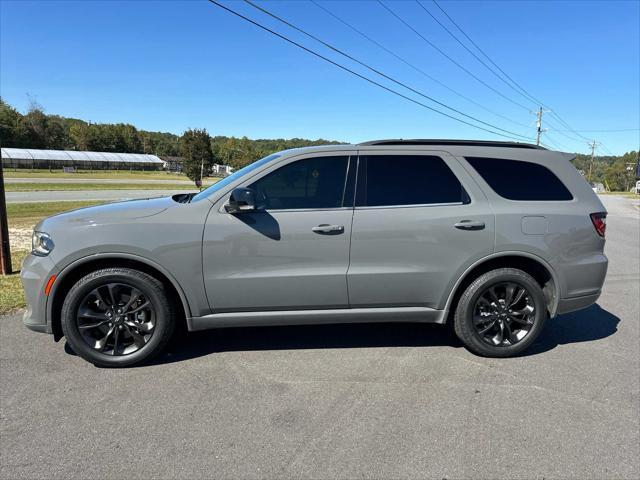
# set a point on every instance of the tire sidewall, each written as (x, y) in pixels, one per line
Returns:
(152, 290)
(464, 313)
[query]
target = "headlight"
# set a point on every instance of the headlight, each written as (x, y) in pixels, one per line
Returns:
(41, 244)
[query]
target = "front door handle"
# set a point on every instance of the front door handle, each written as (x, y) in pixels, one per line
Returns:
(469, 225)
(330, 229)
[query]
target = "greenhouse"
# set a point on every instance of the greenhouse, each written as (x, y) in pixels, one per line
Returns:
(57, 159)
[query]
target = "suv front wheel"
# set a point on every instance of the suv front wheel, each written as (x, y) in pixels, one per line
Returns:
(501, 313)
(117, 317)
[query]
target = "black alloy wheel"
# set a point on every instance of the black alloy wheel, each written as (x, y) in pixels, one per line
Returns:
(504, 314)
(116, 319)
(501, 313)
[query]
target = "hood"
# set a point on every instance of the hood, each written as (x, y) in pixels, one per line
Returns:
(108, 213)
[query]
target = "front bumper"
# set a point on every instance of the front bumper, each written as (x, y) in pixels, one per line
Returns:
(34, 274)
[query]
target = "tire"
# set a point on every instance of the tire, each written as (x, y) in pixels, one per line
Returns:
(485, 322)
(101, 332)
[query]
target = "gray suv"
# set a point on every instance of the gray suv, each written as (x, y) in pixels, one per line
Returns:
(493, 237)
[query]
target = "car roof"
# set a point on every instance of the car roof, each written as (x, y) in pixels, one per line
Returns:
(463, 147)
(453, 142)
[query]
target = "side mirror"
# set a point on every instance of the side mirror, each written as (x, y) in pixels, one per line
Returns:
(241, 200)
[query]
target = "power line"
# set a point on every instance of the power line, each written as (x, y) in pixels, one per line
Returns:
(531, 97)
(568, 126)
(455, 37)
(604, 147)
(552, 143)
(417, 69)
(378, 72)
(451, 59)
(346, 69)
(507, 75)
(602, 131)
(565, 133)
(555, 142)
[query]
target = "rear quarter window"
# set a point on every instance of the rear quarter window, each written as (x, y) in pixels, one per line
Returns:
(519, 180)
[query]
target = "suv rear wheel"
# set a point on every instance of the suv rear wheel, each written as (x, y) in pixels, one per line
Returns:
(117, 317)
(501, 313)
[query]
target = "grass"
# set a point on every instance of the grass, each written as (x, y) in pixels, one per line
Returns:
(11, 293)
(122, 174)
(26, 215)
(37, 187)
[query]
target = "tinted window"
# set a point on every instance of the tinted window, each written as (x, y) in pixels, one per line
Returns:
(407, 180)
(517, 180)
(310, 183)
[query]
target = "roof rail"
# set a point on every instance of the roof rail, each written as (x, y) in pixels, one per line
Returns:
(465, 143)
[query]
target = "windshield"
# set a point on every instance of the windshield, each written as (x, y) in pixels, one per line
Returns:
(234, 176)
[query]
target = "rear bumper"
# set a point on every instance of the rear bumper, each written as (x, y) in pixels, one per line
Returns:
(566, 305)
(584, 277)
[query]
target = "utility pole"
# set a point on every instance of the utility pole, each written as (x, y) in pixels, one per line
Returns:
(593, 146)
(5, 250)
(201, 171)
(539, 124)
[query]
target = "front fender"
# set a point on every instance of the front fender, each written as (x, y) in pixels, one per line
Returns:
(99, 257)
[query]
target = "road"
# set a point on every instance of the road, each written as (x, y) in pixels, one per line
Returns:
(79, 195)
(365, 401)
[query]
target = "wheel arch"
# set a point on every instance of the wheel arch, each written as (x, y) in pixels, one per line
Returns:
(74, 271)
(535, 266)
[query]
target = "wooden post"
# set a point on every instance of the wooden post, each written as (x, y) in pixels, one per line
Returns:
(5, 251)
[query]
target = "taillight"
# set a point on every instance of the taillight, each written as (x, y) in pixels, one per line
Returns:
(599, 220)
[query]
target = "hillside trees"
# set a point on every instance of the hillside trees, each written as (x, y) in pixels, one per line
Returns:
(36, 129)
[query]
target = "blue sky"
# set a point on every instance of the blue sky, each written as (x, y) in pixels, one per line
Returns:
(166, 65)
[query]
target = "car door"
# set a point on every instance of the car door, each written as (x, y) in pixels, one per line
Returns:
(293, 251)
(419, 221)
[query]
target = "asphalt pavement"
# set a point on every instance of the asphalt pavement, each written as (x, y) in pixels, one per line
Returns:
(346, 401)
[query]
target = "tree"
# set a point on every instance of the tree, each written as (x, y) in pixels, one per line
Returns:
(619, 177)
(10, 120)
(80, 134)
(196, 153)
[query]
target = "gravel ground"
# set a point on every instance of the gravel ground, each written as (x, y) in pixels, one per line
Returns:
(346, 401)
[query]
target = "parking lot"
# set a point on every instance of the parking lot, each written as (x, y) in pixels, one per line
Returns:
(341, 401)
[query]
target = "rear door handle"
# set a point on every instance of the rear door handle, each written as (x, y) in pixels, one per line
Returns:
(326, 228)
(469, 225)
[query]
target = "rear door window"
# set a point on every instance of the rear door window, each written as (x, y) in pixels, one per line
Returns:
(519, 180)
(392, 180)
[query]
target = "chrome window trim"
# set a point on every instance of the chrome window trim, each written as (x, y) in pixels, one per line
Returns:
(421, 205)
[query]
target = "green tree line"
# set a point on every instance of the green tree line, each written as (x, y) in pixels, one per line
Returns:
(36, 129)
(616, 173)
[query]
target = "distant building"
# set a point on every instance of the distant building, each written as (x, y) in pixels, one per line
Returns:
(172, 164)
(72, 159)
(222, 170)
